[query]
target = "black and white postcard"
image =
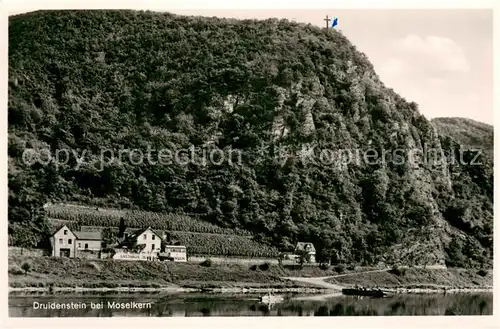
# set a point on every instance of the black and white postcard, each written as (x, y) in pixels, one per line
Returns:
(173, 162)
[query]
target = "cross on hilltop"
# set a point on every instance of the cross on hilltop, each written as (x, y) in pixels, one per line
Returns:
(327, 20)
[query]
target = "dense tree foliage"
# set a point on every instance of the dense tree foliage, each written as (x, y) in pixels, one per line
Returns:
(472, 186)
(89, 81)
(467, 132)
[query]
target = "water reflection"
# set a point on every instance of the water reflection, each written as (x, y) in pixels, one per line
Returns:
(249, 305)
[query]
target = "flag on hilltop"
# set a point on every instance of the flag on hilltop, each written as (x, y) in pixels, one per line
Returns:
(335, 22)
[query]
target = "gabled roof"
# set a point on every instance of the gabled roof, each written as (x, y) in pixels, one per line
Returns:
(305, 245)
(81, 235)
(132, 236)
(60, 227)
(140, 231)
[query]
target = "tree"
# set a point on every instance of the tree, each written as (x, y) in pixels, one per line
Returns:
(23, 236)
(108, 236)
(455, 255)
(304, 257)
(122, 227)
(26, 268)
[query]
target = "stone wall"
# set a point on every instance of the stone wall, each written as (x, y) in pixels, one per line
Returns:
(243, 261)
(18, 251)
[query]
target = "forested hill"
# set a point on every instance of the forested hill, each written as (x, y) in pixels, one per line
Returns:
(468, 132)
(111, 80)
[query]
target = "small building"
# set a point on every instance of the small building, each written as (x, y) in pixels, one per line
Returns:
(88, 244)
(75, 244)
(63, 242)
(174, 253)
(309, 247)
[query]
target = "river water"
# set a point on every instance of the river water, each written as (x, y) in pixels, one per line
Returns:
(194, 304)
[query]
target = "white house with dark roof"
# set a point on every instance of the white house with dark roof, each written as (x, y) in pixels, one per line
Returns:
(309, 247)
(75, 244)
(148, 244)
(143, 244)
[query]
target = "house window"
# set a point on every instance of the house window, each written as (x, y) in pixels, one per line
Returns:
(70, 241)
(65, 232)
(60, 241)
(145, 235)
(86, 246)
(153, 246)
(153, 237)
(79, 245)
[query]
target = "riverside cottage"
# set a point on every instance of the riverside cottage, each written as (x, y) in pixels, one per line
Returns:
(309, 248)
(143, 244)
(75, 244)
(148, 244)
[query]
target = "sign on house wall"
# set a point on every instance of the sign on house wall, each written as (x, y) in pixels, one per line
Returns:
(133, 256)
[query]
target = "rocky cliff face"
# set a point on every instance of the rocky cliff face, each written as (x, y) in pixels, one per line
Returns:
(328, 153)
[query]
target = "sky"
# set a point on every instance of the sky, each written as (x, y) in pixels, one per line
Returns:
(440, 59)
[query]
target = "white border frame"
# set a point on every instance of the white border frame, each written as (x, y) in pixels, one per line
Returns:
(14, 7)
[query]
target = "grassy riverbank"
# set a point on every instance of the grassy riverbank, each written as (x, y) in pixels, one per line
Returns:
(65, 272)
(59, 274)
(412, 278)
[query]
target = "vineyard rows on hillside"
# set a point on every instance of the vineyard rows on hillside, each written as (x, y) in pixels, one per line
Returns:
(134, 218)
(203, 244)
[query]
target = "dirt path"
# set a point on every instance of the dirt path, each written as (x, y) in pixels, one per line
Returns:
(320, 281)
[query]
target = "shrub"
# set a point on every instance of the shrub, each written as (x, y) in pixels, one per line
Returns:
(351, 267)
(16, 271)
(253, 267)
(482, 272)
(16, 284)
(324, 266)
(264, 267)
(399, 271)
(206, 263)
(339, 268)
(26, 268)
